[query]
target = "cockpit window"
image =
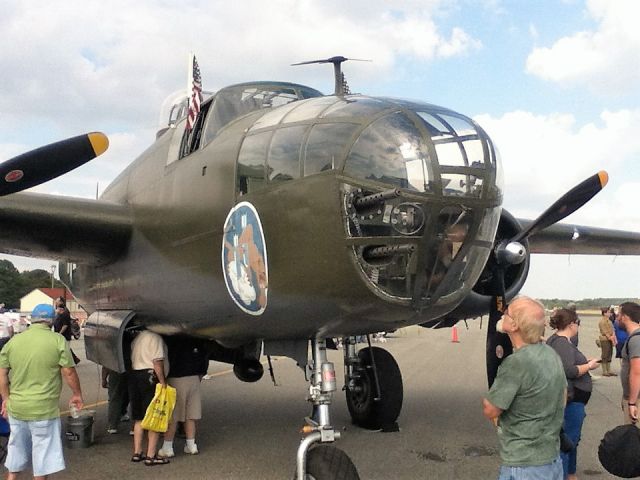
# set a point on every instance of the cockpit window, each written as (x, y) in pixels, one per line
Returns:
(460, 152)
(283, 162)
(325, 148)
(355, 106)
(236, 101)
(392, 150)
(251, 165)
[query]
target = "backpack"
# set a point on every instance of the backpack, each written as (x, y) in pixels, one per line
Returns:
(75, 328)
(619, 451)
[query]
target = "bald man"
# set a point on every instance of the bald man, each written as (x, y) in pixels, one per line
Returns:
(526, 401)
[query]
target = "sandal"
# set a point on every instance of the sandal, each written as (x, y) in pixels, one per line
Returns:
(138, 457)
(151, 461)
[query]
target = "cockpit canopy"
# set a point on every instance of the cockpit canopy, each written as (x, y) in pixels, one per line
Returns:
(414, 146)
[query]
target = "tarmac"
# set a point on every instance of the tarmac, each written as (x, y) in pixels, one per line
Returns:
(251, 431)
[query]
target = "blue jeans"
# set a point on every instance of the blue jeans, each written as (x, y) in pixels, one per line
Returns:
(550, 471)
(573, 419)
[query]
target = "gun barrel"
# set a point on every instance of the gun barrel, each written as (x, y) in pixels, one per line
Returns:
(387, 250)
(374, 198)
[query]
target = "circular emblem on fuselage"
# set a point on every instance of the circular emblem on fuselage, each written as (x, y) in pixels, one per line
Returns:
(13, 176)
(244, 259)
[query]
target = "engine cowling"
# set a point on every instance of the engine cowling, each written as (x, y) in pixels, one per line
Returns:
(478, 302)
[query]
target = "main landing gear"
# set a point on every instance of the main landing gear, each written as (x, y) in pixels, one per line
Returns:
(373, 386)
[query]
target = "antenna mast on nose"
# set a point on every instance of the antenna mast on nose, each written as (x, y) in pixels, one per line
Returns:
(341, 86)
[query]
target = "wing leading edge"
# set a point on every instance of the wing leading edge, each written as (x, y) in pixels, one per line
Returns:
(64, 228)
(581, 240)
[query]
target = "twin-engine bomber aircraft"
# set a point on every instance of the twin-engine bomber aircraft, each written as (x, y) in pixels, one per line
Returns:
(285, 218)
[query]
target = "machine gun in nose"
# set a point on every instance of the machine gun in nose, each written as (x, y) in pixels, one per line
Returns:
(369, 200)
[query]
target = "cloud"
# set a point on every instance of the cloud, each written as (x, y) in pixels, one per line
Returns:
(89, 63)
(606, 60)
(545, 155)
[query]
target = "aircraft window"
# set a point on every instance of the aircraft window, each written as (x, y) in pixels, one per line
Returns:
(251, 166)
(310, 109)
(454, 152)
(326, 146)
(436, 127)
(489, 224)
(284, 154)
(234, 102)
(363, 106)
(392, 150)
(458, 184)
(475, 153)
(460, 125)
(450, 154)
(272, 118)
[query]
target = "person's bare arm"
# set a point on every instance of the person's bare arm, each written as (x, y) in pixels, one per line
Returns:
(4, 390)
(634, 387)
(491, 411)
(158, 367)
(71, 378)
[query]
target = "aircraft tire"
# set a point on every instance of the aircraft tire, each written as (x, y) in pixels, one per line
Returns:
(365, 411)
(325, 462)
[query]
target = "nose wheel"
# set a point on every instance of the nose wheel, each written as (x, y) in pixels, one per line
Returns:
(325, 462)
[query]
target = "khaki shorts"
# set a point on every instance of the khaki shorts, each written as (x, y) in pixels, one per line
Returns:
(188, 399)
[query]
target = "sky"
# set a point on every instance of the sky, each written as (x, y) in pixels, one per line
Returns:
(554, 83)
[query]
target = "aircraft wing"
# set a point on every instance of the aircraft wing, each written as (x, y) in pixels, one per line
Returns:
(581, 240)
(63, 228)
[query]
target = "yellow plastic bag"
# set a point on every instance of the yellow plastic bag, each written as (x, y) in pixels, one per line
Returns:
(160, 409)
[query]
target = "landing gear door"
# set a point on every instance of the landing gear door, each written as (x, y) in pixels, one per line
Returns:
(103, 338)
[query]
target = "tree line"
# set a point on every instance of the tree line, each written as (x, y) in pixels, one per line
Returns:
(14, 284)
(586, 303)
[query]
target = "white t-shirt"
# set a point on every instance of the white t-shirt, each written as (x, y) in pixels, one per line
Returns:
(5, 323)
(146, 348)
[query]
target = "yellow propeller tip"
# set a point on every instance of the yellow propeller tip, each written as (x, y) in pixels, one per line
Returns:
(604, 178)
(99, 142)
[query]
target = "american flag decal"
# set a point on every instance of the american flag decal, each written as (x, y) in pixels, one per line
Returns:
(196, 95)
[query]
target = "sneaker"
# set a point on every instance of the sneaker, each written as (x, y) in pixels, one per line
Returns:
(191, 450)
(112, 431)
(166, 453)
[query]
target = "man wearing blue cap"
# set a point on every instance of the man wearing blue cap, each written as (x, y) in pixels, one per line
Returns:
(38, 359)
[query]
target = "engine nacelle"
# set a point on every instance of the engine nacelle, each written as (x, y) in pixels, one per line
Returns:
(478, 302)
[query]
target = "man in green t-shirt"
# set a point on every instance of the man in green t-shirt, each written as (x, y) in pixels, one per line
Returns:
(38, 359)
(527, 398)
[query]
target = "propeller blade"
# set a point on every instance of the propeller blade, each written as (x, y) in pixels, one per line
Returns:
(567, 204)
(498, 344)
(45, 163)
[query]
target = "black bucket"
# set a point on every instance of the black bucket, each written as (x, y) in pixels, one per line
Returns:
(79, 431)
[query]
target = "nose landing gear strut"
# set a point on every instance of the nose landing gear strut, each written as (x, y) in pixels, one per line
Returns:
(316, 458)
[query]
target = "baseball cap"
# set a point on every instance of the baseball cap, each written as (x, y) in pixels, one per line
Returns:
(42, 312)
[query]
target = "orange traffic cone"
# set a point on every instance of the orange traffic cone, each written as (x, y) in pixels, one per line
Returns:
(454, 335)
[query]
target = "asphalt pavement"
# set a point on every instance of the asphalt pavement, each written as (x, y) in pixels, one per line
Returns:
(251, 431)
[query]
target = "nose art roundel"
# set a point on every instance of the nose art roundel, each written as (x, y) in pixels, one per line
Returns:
(244, 259)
